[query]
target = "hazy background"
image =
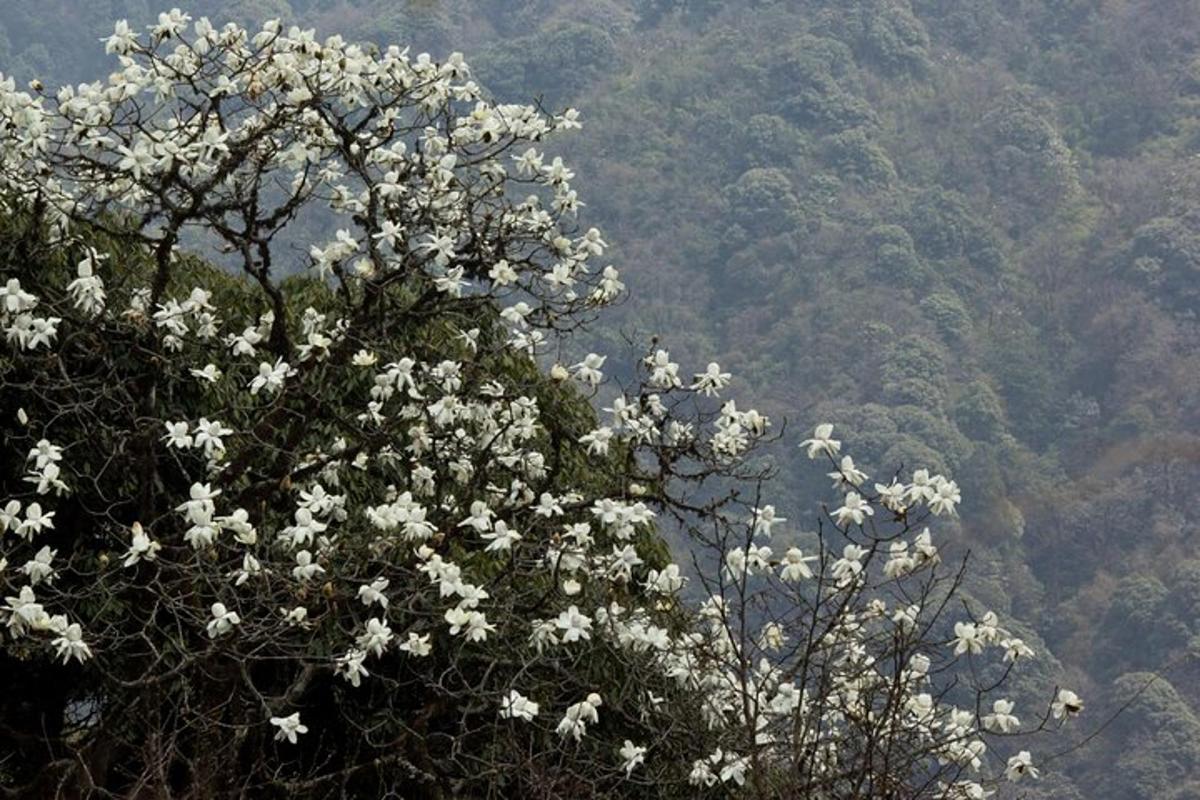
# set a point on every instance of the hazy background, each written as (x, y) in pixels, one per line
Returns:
(966, 231)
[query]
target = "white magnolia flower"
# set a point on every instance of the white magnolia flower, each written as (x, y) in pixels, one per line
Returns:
(794, 566)
(702, 774)
(39, 568)
(918, 665)
(772, 636)
(10, 516)
(1015, 648)
(847, 475)
(141, 547)
(24, 612)
(44, 453)
(822, 442)
(574, 625)
(515, 705)
(209, 374)
(1066, 704)
(922, 488)
(736, 564)
(854, 509)
(296, 617)
(632, 755)
(588, 371)
(734, 769)
(892, 496)
(946, 498)
(376, 637)
(270, 377)
(710, 382)
(373, 592)
(70, 644)
(575, 721)
(850, 565)
(289, 727)
(223, 620)
(1019, 766)
(250, 567)
(501, 538)
(900, 562)
(473, 625)
(48, 478)
(1001, 719)
(667, 581)
(664, 373)
(967, 638)
(178, 435)
(306, 568)
(906, 617)
(765, 519)
(350, 667)
(35, 521)
(209, 435)
(14, 299)
(417, 645)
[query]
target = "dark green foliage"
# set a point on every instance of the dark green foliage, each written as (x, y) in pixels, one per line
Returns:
(895, 39)
(894, 258)
(560, 61)
(967, 24)
(1140, 626)
(1027, 379)
(909, 452)
(942, 224)
(1029, 159)
(1159, 738)
(979, 412)
(807, 60)
(934, 431)
(770, 140)
(762, 202)
(949, 315)
(859, 159)
(885, 34)
(913, 372)
(1186, 590)
(1164, 255)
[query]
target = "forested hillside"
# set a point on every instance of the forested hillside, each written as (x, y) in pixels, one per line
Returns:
(968, 229)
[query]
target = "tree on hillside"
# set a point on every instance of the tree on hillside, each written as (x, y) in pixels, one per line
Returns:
(357, 533)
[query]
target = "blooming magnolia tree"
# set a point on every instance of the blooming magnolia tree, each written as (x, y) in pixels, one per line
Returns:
(354, 533)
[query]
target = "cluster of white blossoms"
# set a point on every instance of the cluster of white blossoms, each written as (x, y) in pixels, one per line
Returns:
(440, 471)
(756, 683)
(23, 327)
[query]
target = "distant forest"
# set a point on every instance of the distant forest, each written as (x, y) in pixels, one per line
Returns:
(965, 231)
